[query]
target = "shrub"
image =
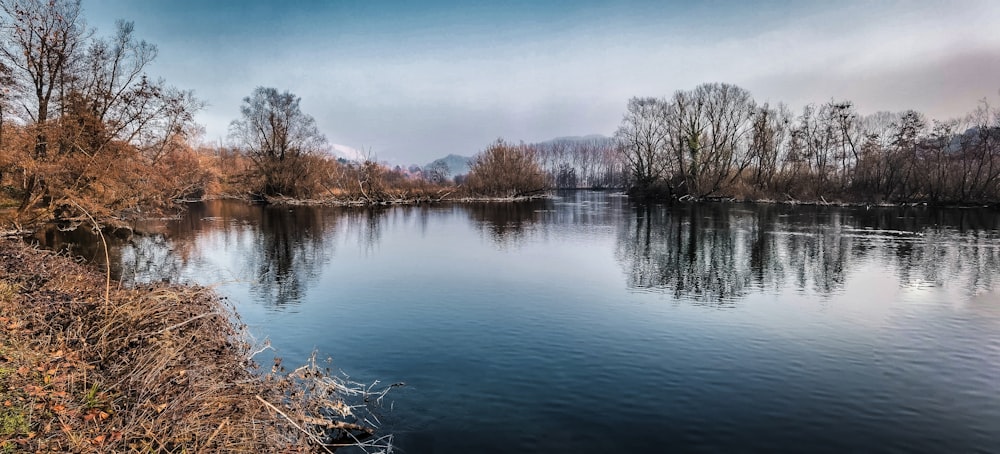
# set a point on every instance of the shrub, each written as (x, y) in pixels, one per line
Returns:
(504, 170)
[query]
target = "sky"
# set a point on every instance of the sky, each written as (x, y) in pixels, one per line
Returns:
(410, 81)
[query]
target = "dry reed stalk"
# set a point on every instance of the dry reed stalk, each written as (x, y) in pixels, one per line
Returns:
(155, 368)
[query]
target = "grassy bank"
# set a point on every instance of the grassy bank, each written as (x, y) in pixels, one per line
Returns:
(87, 366)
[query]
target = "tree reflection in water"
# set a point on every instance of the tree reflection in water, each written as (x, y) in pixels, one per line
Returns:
(711, 253)
(720, 252)
(277, 251)
(507, 224)
(290, 253)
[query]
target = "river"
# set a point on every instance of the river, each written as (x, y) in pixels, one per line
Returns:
(586, 324)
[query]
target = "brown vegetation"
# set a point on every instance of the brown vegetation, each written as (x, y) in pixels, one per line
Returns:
(716, 140)
(85, 132)
(83, 129)
(87, 367)
(505, 170)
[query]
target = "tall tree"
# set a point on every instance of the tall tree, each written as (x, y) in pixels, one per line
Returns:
(709, 126)
(767, 138)
(41, 39)
(643, 140)
(277, 136)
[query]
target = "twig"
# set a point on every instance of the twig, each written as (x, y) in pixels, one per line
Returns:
(265, 347)
(185, 322)
(217, 430)
(107, 257)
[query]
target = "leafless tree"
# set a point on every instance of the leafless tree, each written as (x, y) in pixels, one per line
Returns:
(981, 153)
(40, 40)
(709, 128)
(643, 143)
(437, 173)
(276, 135)
(770, 130)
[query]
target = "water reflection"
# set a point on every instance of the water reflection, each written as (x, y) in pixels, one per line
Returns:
(843, 328)
(690, 251)
(506, 224)
(719, 253)
(287, 251)
(715, 253)
(568, 212)
(277, 252)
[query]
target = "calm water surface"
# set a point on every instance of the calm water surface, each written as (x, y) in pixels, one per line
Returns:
(588, 324)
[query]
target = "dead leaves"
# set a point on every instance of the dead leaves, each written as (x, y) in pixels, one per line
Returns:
(95, 415)
(112, 437)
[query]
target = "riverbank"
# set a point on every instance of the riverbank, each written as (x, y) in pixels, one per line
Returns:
(13, 230)
(418, 200)
(88, 366)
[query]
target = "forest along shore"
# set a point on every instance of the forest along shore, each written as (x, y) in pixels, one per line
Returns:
(86, 365)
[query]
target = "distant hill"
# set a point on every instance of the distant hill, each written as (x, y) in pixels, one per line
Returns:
(457, 165)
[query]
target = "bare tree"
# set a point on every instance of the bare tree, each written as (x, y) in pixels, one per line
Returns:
(643, 140)
(770, 128)
(981, 154)
(849, 137)
(938, 156)
(908, 133)
(6, 100)
(40, 40)
(276, 135)
(438, 172)
(709, 126)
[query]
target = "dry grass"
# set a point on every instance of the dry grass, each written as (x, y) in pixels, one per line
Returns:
(153, 369)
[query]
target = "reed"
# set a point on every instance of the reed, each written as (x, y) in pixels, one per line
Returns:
(156, 368)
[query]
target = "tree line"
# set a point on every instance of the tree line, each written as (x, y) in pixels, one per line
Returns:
(86, 133)
(88, 136)
(716, 140)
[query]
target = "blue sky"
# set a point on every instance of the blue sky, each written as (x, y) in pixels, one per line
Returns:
(412, 81)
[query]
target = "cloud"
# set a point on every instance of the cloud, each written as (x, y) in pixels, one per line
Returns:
(942, 87)
(417, 83)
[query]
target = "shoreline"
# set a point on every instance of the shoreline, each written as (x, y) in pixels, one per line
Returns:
(87, 365)
(24, 231)
(683, 200)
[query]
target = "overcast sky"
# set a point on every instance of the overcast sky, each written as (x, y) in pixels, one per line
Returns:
(416, 80)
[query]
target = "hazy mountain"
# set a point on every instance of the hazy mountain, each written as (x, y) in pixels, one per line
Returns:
(457, 165)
